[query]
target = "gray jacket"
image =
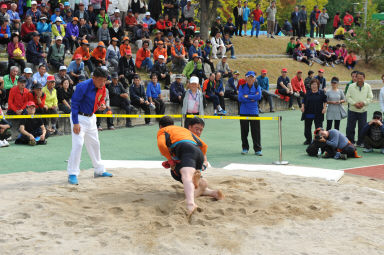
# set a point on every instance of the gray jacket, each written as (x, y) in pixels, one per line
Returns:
(185, 102)
(323, 18)
(271, 13)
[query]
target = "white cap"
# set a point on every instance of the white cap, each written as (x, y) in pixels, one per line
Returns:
(161, 56)
(316, 41)
(28, 70)
(147, 13)
(58, 19)
(33, 2)
(62, 68)
(194, 79)
(117, 10)
(59, 38)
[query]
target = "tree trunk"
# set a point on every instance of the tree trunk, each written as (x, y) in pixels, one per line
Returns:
(207, 15)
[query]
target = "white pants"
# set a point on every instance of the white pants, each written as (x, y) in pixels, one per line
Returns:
(218, 50)
(89, 135)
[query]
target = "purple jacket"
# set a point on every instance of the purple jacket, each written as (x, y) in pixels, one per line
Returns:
(72, 30)
(11, 47)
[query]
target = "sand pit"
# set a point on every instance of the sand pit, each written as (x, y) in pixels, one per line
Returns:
(141, 211)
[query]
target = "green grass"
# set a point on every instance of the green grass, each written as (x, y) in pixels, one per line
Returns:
(222, 137)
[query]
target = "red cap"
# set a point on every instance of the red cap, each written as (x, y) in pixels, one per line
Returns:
(264, 71)
(4, 6)
(242, 82)
(321, 70)
(78, 56)
(31, 103)
(145, 25)
(51, 78)
(299, 71)
(284, 70)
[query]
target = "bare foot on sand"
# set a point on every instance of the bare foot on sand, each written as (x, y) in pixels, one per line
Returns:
(191, 208)
(196, 178)
(219, 195)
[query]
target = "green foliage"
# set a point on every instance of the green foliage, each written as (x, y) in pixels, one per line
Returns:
(368, 42)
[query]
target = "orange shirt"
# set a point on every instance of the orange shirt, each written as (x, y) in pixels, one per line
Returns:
(84, 53)
(173, 50)
(141, 55)
(157, 52)
(298, 85)
(99, 53)
(123, 49)
(176, 134)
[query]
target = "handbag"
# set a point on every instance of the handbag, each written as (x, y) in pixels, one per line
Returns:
(343, 113)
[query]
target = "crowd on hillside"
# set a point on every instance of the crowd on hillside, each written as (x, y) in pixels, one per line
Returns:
(39, 36)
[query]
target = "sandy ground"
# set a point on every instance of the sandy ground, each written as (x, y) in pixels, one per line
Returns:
(141, 211)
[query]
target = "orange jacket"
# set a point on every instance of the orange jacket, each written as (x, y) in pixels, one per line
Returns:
(349, 59)
(157, 52)
(99, 53)
(123, 49)
(173, 51)
(298, 85)
(141, 55)
(175, 134)
(85, 54)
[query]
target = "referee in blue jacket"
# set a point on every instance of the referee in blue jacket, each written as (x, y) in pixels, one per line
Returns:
(249, 97)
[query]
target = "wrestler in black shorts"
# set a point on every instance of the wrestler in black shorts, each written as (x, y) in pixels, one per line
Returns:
(189, 155)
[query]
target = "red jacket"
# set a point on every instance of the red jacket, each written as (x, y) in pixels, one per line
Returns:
(348, 20)
(130, 20)
(298, 85)
(160, 25)
(349, 59)
(336, 21)
(32, 97)
(25, 29)
(17, 101)
(141, 55)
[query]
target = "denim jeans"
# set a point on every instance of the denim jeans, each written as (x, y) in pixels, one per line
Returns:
(255, 24)
(147, 63)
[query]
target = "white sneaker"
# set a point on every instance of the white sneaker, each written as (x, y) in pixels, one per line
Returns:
(333, 65)
(6, 143)
(2, 144)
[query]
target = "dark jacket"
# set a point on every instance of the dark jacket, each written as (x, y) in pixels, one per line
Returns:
(160, 69)
(294, 17)
(216, 27)
(236, 12)
(137, 93)
(86, 15)
(126, 66)
(176, 90)
(92, 17)
(140, 34)
(302, 16)
(312, 17)
(367, 130)
(34, 53)
(85, 30)
(119, 34)
(115, 92)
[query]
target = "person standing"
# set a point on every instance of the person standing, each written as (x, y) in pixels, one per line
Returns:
(348, 21)
(336, 21)
(295, 21)
(271, 17)
(359, 96)
(335, 110)
(303, 21)
(381, 96)
(246, 13)
(257, 14)
(313, 21)
(249, 96)
(238, 14)
(313, 109)
(323, 20)
(88, 98)
(193, 100)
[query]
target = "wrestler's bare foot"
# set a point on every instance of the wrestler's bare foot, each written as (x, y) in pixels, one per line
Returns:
(191, 208)
(196, 178)
(219, 195)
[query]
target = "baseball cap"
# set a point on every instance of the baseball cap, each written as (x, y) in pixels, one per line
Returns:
(250, 73)
(58, 19)
(4, 6)
(28, 70)
(101, 44)
(62, 68)
(37, 85)
(85, 42)
(114, 75)
(160, 42)
(59, 38)
(31, 103)
(50, 78)
(321, 70)
(218, 17)
(161, 57)
(125, 38)
(117, 11)
(66, 4)
(43, 17)
(22, 79)
(236, 72)
(195, 55)
(57, 10)
(264, 71)
(75, 19)
(194, 79)
(316, 41)
(78, 56)
(299, 71)
(312, 45)
(284, 70)
(147, 13)
(33, 2)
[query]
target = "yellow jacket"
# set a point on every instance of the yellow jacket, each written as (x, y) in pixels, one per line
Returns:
(51, 99)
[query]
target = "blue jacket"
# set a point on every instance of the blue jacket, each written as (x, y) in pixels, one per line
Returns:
(323, 82)
(43, 27)
(153, 90)
(7, 31)
(250, 105)
(176, 90)
(231, 85)
(72, 30)
(34, 52)
(219, 86)
(192, 50)
(263, 82)
(294, 17)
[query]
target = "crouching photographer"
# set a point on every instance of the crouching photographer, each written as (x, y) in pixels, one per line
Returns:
(333, 144)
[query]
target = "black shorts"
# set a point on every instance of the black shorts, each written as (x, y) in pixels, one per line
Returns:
(190, 155)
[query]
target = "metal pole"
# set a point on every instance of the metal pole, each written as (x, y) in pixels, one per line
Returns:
(182, 120)
(280, 161)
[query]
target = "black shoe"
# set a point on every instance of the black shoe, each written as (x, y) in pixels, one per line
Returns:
(129, 125)
(166, 87)
(307, 143)
(343, 156)
(272, 110)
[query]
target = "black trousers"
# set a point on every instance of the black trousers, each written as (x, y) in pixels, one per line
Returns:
(322, 30)
(13, 62)
(210, 63)
(160, 106)
(56, 64)
(361, 119)
(303, 28)
(267, 96)
(98, 119)
(255, 132)
(239, 25)
(308, 128)
(371, 144)
(167, 79)
(349, 150)
(144, 107)
(124, 104)
(329, 124)
(296, 29)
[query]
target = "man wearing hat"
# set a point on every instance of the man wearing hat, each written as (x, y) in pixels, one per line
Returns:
(35, 53)
(119, 97)
(195, 66)
(178, 56)
(56, 53)
(62, 75)
(34, 12)
(142, 35)
(98, 55)
(229, 27)
(263, 82)
(160, 50)
(18, 98)
(218, 46)
(249, 96)
(87, 98)
(149, 21)
(72, 34)
(160, 68)
(56, 15)
(32, 131)
(176, 91)
(76, 69)
(116, 17)
(58, 29)
(44, 28)
(231, 90)
(4, 15)
(127, 69)
(83, 51)
(28, 76)
(217, 27)
(37, 96)
(125, 47)
(139, 97)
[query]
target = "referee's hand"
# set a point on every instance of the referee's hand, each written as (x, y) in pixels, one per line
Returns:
(76, 129)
